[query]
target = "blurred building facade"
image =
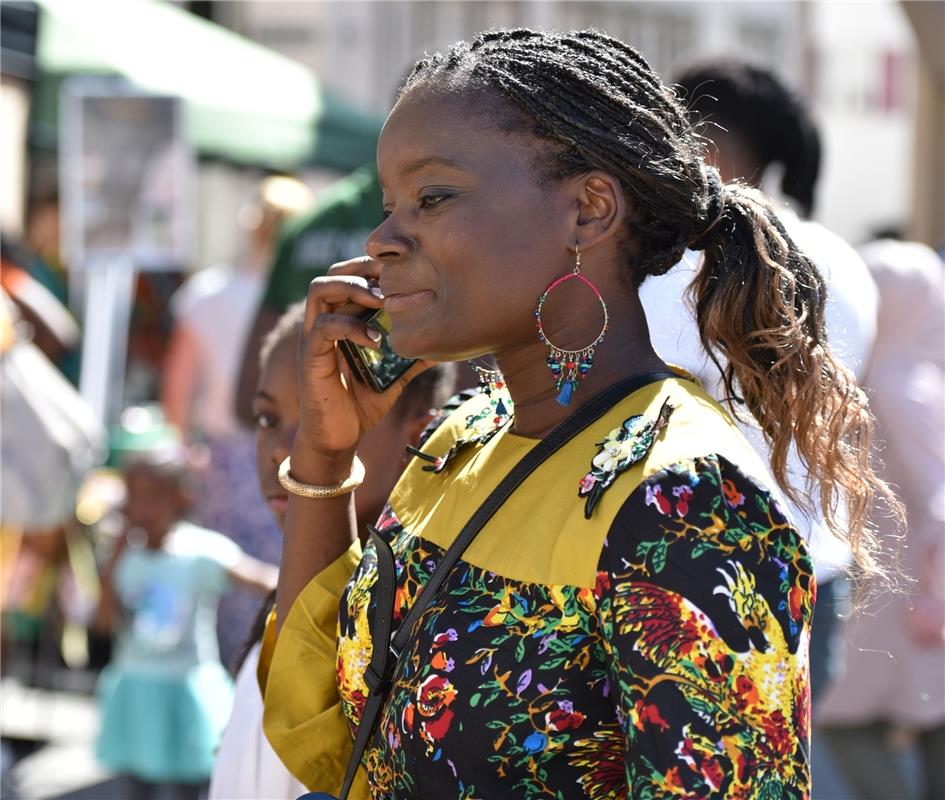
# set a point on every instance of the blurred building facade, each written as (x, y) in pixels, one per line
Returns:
(857, 63)
(363, 49)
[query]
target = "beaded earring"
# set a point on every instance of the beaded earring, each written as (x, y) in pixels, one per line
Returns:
(489, 379)
(570, 366)
(491, 383)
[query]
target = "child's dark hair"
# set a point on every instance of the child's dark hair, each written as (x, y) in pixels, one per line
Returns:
(595, 104)
(772, 119)
(170, 462)
(289, 325)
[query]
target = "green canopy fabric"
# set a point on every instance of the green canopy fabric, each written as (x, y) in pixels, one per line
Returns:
(243, 102)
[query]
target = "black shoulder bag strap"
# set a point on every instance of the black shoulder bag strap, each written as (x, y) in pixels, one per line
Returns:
(384, 658)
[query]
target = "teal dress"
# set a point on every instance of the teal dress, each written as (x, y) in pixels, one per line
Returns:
(166, 697)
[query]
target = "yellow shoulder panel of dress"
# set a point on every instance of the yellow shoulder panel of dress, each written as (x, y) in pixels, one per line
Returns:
(541, 534)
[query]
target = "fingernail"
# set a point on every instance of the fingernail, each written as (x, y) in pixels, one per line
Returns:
(376, 291)
(374, 334)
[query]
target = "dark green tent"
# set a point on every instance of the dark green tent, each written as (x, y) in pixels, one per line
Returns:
(242, 102)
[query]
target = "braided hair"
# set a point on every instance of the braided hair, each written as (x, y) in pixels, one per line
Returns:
(593, 103)
(772, 119)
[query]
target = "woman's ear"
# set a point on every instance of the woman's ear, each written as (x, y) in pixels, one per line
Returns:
(602, 207)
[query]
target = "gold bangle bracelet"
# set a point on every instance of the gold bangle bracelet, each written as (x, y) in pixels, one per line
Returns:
(348, 485)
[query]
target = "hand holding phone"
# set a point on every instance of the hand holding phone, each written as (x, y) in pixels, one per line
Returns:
(339, 402)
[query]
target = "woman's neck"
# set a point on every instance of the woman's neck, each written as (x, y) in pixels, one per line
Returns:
(625, 351)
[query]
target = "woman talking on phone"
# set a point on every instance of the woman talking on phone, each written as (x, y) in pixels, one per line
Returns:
(583, 584)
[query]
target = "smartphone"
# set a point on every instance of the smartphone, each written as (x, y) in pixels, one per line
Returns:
(379, 369)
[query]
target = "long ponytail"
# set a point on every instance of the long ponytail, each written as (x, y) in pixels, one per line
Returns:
(760, 307)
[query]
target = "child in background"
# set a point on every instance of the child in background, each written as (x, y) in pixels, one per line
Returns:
(246, 766)
(165, 695)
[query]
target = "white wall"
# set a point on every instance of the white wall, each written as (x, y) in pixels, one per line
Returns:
(14, 113)
(864, 97)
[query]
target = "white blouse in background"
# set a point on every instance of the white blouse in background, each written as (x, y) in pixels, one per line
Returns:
(246, 767)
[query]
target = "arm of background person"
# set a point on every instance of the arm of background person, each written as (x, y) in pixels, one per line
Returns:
(108, 611)
(54, 329)
(906, 383)
(255, 575)
(179, 376)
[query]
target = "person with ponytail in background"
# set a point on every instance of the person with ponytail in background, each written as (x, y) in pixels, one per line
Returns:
(757, 128)
(633, 618)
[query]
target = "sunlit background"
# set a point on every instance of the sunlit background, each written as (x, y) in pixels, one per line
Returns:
(302, 88)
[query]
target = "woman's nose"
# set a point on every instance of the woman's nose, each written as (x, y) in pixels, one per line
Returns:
(386, 241)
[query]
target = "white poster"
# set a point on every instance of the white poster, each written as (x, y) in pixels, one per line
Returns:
(126, 176)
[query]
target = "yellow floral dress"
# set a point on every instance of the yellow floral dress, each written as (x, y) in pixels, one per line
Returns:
(633, 622)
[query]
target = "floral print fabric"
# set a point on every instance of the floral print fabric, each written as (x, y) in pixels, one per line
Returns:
(681, 673)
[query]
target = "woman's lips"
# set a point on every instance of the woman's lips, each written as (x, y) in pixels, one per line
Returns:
(402, 301)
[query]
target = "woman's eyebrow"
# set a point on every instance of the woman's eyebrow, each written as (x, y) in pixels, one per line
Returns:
(265, 395)
(430, 161)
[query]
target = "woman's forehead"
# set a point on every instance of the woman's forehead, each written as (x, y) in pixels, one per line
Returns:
(423, 126)
(454, 132)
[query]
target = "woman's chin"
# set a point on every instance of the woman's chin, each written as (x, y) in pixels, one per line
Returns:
(425, 351)
(425, 340)
(411, 343)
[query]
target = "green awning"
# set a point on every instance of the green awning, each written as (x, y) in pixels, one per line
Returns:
(243, 102)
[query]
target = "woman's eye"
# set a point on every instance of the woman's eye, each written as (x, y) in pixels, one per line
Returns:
(429, 201)
(425, 203)
(264, 420)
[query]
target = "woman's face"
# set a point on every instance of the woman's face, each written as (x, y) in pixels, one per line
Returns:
(276, 412)
(470, 239)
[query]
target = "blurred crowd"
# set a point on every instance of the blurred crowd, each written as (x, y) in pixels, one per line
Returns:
(143, 555)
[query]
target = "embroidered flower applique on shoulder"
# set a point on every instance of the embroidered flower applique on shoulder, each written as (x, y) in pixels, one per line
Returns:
(621, 449)
(480, 426)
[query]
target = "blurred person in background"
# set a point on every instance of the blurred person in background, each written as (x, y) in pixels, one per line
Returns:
(53, 328)
(894, 679)
(246, 766)
(212, 315)
(49, 441)
(40, 256)
(165, 695)
(43, 239)
(755, 125)
(334, 230)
